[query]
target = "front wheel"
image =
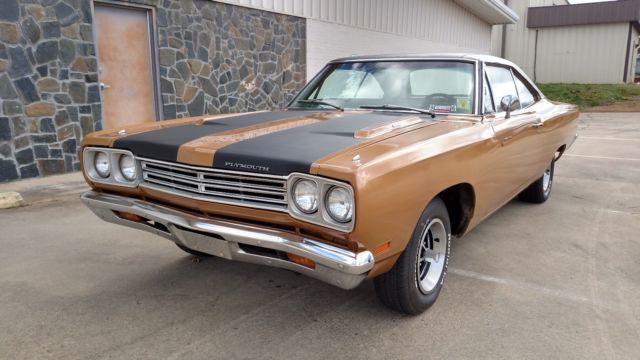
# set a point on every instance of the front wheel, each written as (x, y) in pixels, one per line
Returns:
(539, 191)
(415, 281)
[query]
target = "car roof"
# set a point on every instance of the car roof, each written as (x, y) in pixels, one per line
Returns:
(431, 56)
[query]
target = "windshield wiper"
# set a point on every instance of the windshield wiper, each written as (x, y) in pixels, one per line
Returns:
(397, 107)
(320, 102)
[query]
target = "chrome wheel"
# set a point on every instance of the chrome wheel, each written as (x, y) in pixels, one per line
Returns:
(414, 282)
(546, 179)
(431, 256)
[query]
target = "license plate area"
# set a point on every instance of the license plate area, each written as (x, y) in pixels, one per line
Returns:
(207, 243)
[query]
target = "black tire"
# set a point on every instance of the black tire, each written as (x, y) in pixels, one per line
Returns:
(400, 288)
(537, 192)
(193, 252)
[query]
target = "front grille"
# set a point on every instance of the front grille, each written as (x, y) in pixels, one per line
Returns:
(227, 187)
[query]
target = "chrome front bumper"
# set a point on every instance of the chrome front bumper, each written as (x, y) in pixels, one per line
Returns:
(235, 241)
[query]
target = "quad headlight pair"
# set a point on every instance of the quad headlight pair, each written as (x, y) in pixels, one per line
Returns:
(339, 204)
(110, 166)
(321, 201)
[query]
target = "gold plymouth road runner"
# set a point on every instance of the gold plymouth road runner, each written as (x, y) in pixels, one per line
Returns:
(372, 169)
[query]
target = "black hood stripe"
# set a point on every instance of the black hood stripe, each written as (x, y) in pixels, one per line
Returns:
(163, 144)
(296, 149)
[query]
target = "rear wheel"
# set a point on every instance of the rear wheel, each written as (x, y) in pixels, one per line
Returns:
(193, 252)
(539, 191)
(415, 281)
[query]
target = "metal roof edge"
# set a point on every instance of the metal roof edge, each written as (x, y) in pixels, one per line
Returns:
(494, 12)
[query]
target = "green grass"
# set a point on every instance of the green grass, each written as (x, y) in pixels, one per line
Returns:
(587, 95)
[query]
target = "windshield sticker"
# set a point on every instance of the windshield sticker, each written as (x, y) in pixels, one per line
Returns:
(464, 104)
(442, 108)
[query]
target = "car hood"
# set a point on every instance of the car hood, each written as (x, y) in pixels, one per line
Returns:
(277, 142)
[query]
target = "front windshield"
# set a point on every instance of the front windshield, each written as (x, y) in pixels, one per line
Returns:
(438, 86)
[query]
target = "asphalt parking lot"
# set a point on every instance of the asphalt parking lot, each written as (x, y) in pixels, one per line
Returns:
(560, 280)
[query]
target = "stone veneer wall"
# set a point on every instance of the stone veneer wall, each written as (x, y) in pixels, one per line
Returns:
(213, 58)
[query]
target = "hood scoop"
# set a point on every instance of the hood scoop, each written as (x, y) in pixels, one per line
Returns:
(374, 131)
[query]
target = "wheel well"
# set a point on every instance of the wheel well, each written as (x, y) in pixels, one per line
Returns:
(559, 152)
(460, 200)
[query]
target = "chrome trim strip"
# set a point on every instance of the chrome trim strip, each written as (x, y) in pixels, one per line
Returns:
(402, 58)
(334, 265)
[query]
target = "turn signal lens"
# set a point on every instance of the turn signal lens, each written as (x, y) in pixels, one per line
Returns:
(382, 247)
(129, 216)
(300, 260)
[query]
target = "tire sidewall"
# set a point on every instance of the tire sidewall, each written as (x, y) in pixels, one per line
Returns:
(417, 298)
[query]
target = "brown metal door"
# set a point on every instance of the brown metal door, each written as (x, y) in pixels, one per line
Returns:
(125, 65)
(520, 152)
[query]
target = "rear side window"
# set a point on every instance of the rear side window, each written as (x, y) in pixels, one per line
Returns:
(524, 94)
(501, 82)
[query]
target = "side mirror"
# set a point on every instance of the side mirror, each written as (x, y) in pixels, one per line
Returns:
(509, 103)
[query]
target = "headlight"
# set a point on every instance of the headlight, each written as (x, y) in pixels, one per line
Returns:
(305, 196)
(339, 204)
(110, 166)
(101, 164)
(128, 167)
(321, 201)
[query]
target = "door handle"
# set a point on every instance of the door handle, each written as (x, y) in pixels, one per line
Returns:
(104, 86)
(537, 125)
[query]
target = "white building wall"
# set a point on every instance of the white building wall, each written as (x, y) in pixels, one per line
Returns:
(331, 41)
(520, 43)
(337, 28)
(582, 54)
(579, 54)
(434, 20)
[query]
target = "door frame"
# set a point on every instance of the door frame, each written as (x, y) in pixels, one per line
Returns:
(153, 49)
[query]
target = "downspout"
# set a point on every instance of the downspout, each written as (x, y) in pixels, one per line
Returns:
(535, 58)
(504, 36)
(626, 60)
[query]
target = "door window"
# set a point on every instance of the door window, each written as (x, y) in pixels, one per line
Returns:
(526, 98)
(501, 82)
(487, 100)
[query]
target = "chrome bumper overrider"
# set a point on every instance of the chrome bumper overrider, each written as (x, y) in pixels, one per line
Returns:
(225, 239)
